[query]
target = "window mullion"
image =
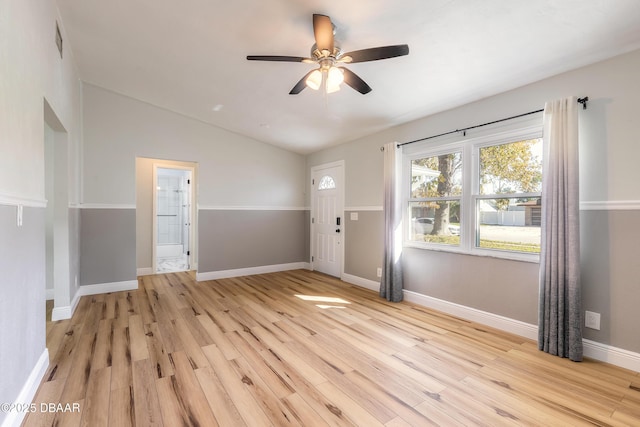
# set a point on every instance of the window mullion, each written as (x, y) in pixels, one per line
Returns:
(436, 199)
(508, 196)
(467, 204)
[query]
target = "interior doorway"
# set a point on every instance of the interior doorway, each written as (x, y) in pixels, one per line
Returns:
(173, 217)
(57, 244)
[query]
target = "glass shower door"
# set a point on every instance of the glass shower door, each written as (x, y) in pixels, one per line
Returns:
(173, 220)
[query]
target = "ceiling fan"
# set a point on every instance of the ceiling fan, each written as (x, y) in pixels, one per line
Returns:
(328, 55)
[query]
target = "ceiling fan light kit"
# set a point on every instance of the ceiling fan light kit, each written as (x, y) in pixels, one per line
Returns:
(326, 54)
(314, 81)
(332, 78)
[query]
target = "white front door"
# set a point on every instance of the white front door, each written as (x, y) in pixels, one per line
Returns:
(327, 222)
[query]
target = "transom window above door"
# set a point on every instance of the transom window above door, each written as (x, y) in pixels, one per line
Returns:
(326, 183)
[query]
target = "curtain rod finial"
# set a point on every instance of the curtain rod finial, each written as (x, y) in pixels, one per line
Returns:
(583, 101)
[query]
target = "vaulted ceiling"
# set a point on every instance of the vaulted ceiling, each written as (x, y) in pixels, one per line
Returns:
(189, 56)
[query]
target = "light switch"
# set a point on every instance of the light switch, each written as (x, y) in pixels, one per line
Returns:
(19, 215)
(354, 216)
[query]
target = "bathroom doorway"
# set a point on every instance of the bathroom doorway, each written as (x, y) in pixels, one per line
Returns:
(173, 218)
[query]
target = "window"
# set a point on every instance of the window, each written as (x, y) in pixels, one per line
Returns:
(508, 200)
(326, 183)
(436, 190)
(478, 196)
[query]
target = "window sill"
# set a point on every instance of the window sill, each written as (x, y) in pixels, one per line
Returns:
(510, 256)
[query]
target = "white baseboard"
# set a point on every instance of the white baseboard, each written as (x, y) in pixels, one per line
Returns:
(65, 312)
(499, 322)
(614, 355)
(225, 274)
(591, 349)
(62, 313)
(105, 288)
(513, 326)
(145, 271)
(359, 281)
(29, 389)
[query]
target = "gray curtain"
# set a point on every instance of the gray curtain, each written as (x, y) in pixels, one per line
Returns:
(560, 305)
(391, 282)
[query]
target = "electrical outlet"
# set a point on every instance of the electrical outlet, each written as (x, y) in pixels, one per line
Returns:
(592, 320)
(379, 272)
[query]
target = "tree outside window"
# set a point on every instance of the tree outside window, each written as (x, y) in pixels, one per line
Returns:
(436, 190)
(501, 209)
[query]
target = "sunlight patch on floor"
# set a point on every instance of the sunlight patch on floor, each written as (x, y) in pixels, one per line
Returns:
(324, 306)
(322, 299)
(317, 298)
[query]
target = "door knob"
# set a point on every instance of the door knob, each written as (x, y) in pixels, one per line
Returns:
(338, 230)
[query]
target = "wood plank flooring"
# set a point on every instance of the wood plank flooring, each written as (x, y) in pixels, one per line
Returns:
(302, 348)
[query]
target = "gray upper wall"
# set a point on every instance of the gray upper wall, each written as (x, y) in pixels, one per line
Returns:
(234, 171)
(31, 74)
(363, 170)
(608, 150)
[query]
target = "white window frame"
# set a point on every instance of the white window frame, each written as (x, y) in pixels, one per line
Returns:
(469, 216)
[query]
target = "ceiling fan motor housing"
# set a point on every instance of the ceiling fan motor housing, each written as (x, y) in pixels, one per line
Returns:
(319, 54)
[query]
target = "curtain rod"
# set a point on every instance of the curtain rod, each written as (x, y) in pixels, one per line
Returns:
(582, 101)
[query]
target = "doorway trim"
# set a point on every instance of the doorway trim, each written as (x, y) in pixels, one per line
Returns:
(313, 213)
(192, 213)
(58, 265)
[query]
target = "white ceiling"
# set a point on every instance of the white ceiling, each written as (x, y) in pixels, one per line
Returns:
(189, 56)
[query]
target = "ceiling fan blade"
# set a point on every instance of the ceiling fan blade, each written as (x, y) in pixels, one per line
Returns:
(275, 58)
(301, 84)
(376, 53)
(355, 82)
(323, 32)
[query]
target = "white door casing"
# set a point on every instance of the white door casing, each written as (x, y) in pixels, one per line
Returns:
(327, 218)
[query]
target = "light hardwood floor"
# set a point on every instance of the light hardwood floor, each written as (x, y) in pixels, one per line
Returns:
(302, 348)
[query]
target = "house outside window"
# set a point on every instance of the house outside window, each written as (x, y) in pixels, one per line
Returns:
(476, 195)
